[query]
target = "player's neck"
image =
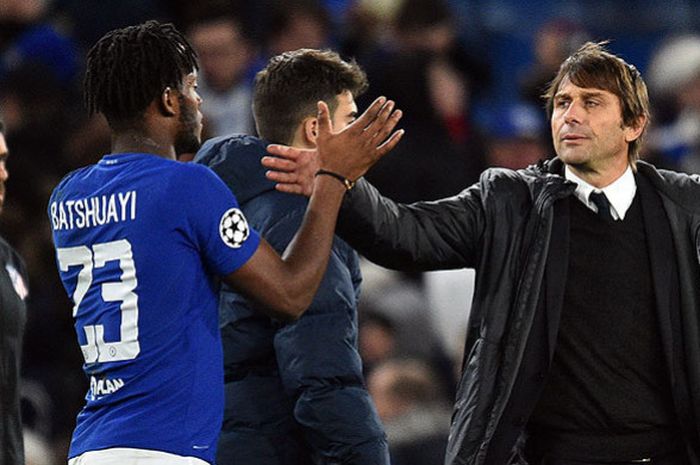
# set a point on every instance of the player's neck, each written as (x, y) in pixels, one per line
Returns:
(132, 141)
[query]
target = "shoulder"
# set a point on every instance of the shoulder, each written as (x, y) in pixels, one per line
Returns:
(681, 188)
(504, 181)
(219, 149)
(6, 249)
(67, 181)
(187, 175)
(9, 255)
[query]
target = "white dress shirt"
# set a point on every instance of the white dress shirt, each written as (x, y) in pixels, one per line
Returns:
(620, 193)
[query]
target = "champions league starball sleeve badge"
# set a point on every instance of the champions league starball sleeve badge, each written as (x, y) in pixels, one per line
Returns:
(233, 228)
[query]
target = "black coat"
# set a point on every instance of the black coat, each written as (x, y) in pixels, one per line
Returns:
(13, 291)
(503, 227)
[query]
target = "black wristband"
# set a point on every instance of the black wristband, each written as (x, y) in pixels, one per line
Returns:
(349, 184)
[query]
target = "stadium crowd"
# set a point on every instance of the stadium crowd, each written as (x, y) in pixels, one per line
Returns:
(468, 76)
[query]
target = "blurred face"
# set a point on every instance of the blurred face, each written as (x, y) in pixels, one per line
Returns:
(346, 112)
(376, 343)
(515, 153)
(380, 384)
(303, 31)
(3, 169)
(223, 53)
(588, 132)
(189, 136)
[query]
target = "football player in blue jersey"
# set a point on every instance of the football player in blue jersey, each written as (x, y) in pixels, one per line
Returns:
(141, 239)
(315, 408)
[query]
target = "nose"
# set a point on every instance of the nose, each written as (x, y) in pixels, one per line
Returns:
(573, 114)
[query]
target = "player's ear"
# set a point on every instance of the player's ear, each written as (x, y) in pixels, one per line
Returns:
(310, 130)
(168, 102)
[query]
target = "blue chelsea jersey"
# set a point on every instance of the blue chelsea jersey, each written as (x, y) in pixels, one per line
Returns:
(139, 243)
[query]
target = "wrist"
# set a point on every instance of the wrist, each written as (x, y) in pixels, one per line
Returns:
(346, 182)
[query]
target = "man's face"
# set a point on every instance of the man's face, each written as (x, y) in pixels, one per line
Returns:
(223, 53)
(587, 128)
(189, 136)
(346, 112)
(3, 169)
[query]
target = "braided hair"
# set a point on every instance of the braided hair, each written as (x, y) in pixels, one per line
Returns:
(128, 68)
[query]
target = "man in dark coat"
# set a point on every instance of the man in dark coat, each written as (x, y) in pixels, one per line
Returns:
(13, 292)
(295, 394)
(583, 344)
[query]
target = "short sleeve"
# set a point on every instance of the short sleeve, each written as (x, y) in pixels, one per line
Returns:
(218, 227)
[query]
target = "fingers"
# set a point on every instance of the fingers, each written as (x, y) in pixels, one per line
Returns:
(289, 183)
(283, 151)
(389, 145)
(370, 113)
(390, 120)
(281, 164)
(282, 177)
(382, 116)
(324, 119)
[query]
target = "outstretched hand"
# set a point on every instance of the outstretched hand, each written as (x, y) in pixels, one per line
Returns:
(349, 152)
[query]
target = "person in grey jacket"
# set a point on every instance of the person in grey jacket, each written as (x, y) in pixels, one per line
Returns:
(583, 344)
(13, 316)
(295, 394)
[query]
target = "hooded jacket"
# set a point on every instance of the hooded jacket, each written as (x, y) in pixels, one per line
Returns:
(294, 392)
(502, 227)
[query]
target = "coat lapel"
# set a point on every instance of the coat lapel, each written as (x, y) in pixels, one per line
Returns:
(555, 272)
(663, 267)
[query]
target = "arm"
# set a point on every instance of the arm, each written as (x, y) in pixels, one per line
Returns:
(287, 285)
(418, 237)
(423, 236)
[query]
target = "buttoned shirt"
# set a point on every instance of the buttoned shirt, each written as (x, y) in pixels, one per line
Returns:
(620, 193)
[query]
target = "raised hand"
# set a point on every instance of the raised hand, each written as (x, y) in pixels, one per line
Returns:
(349, 153)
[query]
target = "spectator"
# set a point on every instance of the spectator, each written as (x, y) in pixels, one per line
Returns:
(413, 409)
(297, 24)
(674, 77)
(555, 40)
(515, 137)
(226, 56)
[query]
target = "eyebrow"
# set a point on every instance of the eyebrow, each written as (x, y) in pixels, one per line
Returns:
(584, 94)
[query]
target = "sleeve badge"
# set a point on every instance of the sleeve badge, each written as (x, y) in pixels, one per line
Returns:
(233, 228)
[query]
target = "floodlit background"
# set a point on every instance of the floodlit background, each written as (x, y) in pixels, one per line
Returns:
(468, 75)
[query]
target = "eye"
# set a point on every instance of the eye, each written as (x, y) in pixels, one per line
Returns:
(592, 103)
(561, 103)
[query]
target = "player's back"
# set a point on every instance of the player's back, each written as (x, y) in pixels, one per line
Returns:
(136, 238)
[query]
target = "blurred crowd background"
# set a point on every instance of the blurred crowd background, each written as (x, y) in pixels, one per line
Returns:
(468, 75)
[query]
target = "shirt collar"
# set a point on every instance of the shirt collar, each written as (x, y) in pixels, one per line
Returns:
(620, 193)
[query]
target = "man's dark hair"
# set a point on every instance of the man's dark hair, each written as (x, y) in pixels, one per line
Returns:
(593, 66)
(128, 68)
(287, 90)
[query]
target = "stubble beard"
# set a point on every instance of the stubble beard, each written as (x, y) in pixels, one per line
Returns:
(188, 140)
